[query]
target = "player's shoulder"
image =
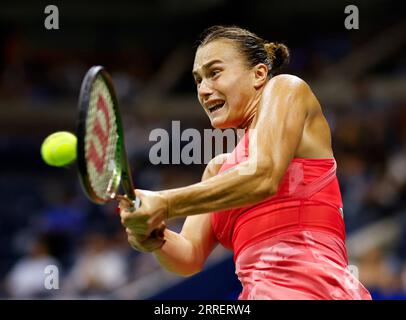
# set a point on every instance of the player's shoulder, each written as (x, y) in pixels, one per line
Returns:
(290, 81)
(288, 87)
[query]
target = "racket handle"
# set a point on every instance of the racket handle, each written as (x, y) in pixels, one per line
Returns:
(137, 203)
(133, 205)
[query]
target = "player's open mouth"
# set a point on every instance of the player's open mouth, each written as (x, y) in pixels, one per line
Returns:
(216, 107)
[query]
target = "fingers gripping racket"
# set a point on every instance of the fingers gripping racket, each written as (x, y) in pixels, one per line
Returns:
(102, 159)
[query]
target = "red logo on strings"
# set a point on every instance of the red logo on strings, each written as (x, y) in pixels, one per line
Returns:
(102, 135)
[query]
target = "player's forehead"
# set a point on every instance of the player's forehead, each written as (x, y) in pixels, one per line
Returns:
(223, 51)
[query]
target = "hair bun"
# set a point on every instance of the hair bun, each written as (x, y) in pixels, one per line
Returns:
(278, 53)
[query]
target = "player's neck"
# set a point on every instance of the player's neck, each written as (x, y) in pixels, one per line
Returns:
(250, 113)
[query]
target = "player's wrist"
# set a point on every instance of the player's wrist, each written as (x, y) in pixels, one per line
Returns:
(166, 197)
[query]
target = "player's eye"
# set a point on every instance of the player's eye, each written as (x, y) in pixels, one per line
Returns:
(214, 73)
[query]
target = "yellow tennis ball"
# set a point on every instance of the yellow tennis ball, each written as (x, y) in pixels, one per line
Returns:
(59, 149)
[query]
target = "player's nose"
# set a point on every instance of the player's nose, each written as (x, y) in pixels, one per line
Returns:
(205, 90)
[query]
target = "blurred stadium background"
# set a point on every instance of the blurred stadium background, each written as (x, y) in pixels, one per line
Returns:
(359, 77)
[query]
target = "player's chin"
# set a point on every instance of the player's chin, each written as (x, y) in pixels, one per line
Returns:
(218, 125)
(219, 122)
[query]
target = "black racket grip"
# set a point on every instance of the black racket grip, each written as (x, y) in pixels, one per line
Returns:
(136, 203)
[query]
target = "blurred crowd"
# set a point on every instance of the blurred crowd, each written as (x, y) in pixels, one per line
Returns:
(46, 220)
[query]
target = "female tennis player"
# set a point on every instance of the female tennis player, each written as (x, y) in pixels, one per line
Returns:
(275, 200)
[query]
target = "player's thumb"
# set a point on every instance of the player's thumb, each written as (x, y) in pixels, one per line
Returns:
(139, 193)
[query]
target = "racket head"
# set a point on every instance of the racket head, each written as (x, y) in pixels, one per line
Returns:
(102, 160)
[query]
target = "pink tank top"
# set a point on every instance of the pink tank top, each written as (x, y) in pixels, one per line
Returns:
(291, 245)
(308, 197)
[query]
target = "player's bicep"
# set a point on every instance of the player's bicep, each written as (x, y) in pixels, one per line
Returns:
(280, 124)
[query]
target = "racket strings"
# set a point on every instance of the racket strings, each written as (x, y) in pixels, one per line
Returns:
(101, 141)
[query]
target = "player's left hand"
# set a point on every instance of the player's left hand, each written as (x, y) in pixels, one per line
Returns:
(147, 244)
(149, 216)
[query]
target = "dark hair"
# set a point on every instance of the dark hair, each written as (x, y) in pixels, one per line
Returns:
(255, 49)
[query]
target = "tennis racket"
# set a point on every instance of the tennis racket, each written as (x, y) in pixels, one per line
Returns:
(101, 155)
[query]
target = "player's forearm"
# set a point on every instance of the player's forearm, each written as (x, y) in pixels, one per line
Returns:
(177, 255)
(232, 189)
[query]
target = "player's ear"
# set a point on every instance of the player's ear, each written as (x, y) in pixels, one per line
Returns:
(260, 75)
